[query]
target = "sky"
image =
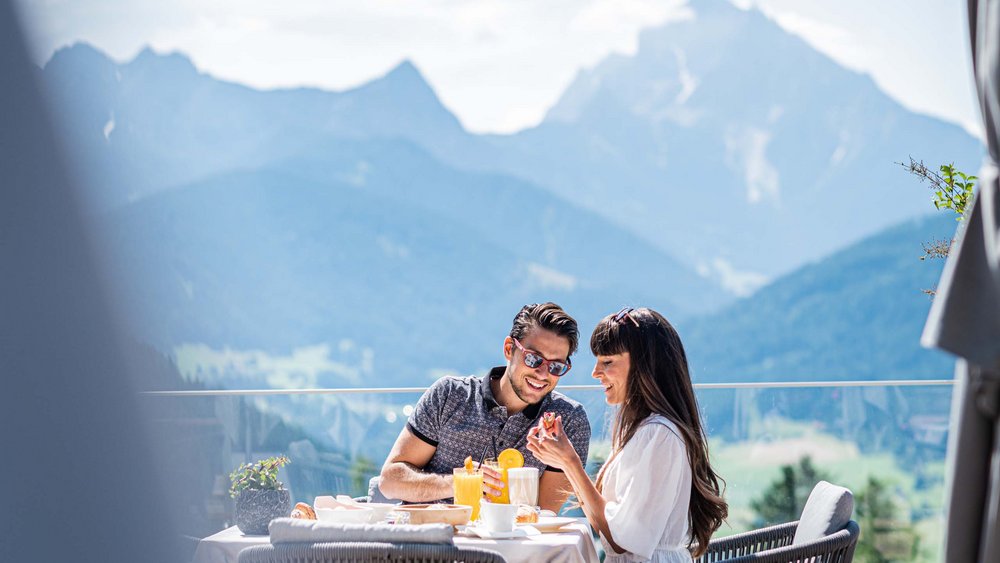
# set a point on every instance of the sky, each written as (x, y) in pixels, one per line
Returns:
(499, 65)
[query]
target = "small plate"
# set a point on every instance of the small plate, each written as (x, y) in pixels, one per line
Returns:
(552, 523)
(518, 532)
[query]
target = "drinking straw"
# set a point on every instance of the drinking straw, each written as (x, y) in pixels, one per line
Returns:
(482, 458)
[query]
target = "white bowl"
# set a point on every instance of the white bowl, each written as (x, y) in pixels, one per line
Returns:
(327, 501)
(379, 510)
(345, 515)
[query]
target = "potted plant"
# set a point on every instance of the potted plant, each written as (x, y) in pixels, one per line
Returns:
(260, 497)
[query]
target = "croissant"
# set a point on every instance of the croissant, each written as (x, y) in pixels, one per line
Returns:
(303, 511)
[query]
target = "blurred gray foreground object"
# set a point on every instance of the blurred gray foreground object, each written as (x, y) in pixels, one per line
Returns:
(365, 552)
(78, 476)
(965, 320)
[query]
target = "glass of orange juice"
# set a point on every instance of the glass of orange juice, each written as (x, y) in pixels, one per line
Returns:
(508, 459)
(503, 497)
(468, 487)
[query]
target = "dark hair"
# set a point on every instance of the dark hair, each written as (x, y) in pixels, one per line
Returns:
(548, 316)
(659, 383)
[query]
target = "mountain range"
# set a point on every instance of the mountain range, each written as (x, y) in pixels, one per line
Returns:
(738, 180)
(855, 315)
(731, 144)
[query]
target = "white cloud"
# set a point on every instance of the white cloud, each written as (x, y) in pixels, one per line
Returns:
(889, 41)
(825, 37)
(500, 64)
(549, 278)
(610, 18)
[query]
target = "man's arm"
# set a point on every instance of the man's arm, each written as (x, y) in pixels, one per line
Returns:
(553, 489)
(402, 477)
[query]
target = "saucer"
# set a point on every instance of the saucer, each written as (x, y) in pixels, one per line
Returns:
(552, 523)
(522, 531)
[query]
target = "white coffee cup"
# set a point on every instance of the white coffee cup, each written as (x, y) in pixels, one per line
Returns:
(496, 517)
(522, 485)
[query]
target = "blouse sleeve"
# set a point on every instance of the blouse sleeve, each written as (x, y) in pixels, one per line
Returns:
(651, 472)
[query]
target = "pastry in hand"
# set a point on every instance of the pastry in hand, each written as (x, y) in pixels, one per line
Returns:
(549, 422)
(303, 511)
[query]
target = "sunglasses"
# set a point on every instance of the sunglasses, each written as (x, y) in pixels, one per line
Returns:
(625, 313)
(533, 359)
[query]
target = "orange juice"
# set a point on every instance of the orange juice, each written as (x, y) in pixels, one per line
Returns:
(503, 497)
(508, 459)
(468, 488)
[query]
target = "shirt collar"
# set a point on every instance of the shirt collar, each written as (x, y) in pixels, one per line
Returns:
(530, 412)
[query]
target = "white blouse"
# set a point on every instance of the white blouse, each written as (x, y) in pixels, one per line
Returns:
(648, 489)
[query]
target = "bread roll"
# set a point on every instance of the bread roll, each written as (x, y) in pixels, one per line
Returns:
(303, 511)
(526, 514)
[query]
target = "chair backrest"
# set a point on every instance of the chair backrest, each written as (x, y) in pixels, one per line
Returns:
(828, 510)
(365, 552)
(773, 545)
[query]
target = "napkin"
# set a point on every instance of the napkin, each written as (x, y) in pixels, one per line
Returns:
(289, 530)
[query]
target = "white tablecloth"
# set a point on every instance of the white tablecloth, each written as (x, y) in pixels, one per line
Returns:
(572, 544)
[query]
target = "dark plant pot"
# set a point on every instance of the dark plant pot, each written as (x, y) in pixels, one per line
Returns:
(256, 509)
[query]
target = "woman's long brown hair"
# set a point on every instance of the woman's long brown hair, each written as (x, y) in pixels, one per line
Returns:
(659, 383)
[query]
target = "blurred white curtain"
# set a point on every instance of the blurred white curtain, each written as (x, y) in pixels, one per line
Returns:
(965, 320)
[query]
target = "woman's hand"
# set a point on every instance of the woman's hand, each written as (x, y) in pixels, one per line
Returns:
(552, 448)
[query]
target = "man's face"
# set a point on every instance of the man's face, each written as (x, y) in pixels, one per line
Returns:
(531, 385)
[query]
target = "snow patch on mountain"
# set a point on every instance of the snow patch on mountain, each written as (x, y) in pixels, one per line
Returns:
(739, 283)
(746, 150)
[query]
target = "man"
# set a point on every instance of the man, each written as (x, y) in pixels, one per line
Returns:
(462, 416)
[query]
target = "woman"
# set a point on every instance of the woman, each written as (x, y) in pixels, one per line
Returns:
(657, 497)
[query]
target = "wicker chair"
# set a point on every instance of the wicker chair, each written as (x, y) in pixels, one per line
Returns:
(366, 552)
(774, 545)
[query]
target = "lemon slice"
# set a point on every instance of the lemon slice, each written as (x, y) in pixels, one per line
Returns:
(510, 458)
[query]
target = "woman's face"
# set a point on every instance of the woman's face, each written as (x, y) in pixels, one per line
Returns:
(612, 372)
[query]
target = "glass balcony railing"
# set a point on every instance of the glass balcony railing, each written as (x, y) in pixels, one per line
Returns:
(885, 440)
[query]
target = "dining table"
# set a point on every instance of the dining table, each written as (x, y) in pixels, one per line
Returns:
(572, 543)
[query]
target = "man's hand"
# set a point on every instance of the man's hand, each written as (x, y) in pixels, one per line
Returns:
(492, 480)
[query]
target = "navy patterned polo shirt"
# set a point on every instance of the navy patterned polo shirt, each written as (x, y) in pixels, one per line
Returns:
(459, 416)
